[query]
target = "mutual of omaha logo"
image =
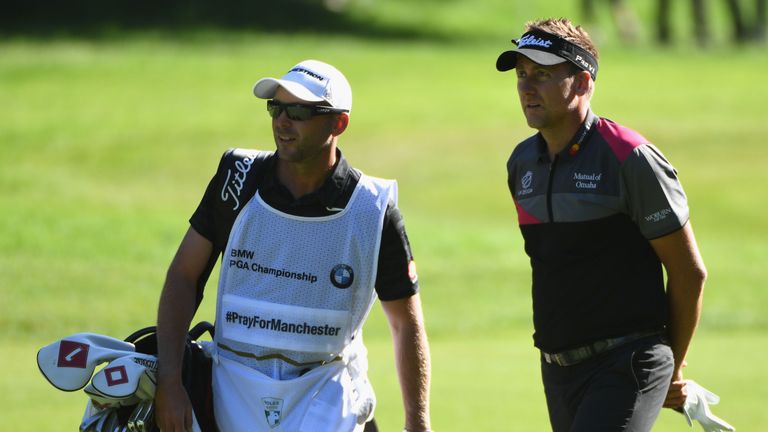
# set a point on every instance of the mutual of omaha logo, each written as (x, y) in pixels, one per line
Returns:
(73, 354)
(273, 411)
(342, 276)
(587, 181)
(526, 181)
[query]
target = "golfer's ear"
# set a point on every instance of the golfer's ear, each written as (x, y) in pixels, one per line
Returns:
(583, 83)
(340, 124)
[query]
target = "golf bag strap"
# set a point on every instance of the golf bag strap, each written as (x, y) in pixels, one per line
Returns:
(145, 338)
(200, 328)
(140, 333)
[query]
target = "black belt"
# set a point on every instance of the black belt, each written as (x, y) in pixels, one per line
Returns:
(578, 355)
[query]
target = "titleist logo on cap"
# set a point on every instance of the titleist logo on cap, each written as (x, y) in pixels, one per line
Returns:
(533, 40)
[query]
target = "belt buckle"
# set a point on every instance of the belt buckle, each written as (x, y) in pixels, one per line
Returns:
(557, 359)
(553, 358)
(570, 357)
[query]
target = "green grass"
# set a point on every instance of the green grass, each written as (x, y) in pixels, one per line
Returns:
(487, 383)
(106, 147)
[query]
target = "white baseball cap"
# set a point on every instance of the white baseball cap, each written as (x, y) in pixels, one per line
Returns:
(311, 81)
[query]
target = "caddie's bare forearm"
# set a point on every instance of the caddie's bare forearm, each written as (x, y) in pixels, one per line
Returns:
(686, 275)
(412, 359)
(175, 312)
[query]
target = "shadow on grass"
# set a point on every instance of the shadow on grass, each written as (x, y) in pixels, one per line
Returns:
(98, 19)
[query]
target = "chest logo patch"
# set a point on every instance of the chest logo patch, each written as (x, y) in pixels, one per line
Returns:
(342, 276)
(526, 181)
(587, 181)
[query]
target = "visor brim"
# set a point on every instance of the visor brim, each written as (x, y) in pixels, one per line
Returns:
(508, 59)
(266, 88)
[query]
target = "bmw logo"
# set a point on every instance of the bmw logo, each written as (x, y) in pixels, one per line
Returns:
(342, 276)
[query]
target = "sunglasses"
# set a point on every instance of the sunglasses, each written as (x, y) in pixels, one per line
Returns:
(301, 112)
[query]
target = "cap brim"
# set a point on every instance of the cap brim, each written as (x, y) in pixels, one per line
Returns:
(508, 59)
(266, 88)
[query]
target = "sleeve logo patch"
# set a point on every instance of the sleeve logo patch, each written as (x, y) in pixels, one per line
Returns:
(412, 271)
(659, 215)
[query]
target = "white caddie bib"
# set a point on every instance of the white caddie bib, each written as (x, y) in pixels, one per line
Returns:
(293, 295)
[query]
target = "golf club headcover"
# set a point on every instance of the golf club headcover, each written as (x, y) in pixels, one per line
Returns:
(124, 381)
(696, 407)
(69, 363)
(127, 383)
(196, 371)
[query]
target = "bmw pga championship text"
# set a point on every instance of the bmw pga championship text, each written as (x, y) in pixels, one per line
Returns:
(236, 260)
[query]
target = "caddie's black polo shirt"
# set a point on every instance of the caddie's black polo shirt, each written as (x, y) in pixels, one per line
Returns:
(587, 217)
(395, 277)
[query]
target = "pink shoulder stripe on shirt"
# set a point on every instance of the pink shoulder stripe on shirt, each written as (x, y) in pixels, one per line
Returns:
(622, 140)
(523, 217)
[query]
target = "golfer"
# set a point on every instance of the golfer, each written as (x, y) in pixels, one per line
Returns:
(306, 243)
(602, 213)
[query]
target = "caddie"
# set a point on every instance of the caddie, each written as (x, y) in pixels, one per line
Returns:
(602, 213)
(306, 244)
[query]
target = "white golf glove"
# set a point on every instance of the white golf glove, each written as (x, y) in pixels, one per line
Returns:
(696, 407)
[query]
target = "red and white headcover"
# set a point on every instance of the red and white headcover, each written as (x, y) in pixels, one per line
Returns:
(69, 363)
(124, 381)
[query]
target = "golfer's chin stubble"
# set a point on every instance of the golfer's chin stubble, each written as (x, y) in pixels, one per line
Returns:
(534, 121)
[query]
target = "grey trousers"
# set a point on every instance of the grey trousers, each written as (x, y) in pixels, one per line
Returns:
(619, 390)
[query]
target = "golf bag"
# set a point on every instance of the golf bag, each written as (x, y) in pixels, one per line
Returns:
(196, 372)
(121, 394)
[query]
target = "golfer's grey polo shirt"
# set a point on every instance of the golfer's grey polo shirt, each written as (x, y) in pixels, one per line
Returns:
(586, 218)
